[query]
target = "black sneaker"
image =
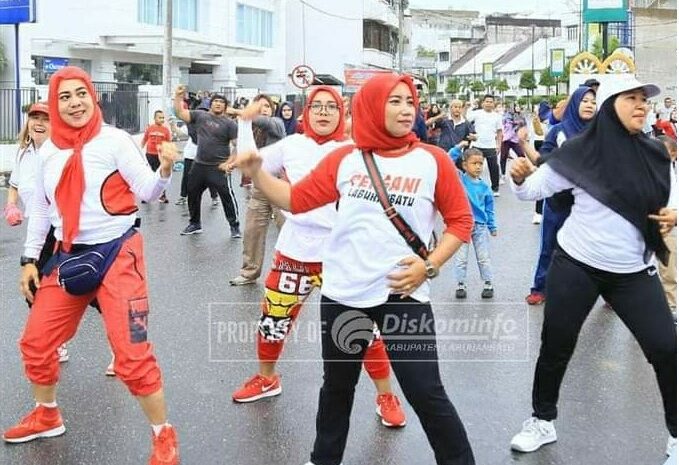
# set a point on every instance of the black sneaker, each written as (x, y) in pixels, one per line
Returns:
(461, 291)
(192, 228)
(163, 199)
(235, 232)
(487, 292)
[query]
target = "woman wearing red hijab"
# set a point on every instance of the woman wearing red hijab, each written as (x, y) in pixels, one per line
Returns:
(93, 218)
(370, 273)
(297, 266)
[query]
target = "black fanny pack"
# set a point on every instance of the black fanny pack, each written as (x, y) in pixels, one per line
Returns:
(83, 269)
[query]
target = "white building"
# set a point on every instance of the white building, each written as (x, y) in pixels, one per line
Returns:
(217, 43)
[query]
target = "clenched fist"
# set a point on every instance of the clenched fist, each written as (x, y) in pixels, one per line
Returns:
(521, 169)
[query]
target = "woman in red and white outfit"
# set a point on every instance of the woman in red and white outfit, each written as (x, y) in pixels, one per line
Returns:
(370, 274)
(88, 176)
(297, 266)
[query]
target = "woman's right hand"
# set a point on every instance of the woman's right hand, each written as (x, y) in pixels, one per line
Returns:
(249, 162)
(29, 275)
(13, 215)
(521, 169)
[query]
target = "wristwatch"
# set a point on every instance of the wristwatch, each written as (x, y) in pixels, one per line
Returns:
(26, 260)
(432, 270)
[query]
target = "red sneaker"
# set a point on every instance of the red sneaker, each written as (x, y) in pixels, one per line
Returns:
(165, 448)
(42, 422)
(390, 411)
(535, 298)
(258, 387)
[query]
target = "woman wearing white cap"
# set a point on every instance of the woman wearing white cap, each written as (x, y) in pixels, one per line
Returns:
(620, 182)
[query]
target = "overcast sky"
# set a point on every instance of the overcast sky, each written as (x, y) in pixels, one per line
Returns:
(542, 8)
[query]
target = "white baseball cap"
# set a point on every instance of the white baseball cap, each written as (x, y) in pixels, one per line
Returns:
(624, 83)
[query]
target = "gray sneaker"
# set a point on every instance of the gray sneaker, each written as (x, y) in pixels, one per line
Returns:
(192, 228)
(235, 232)
(241, 281)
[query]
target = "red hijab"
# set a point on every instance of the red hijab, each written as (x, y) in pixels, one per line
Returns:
(367, 112)
(71, 187)
(338, 133)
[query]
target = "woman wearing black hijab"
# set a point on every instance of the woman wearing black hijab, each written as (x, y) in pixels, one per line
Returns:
(287, 113)
(619, 177)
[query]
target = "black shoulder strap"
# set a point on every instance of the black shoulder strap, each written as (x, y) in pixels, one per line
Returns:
(404, 229)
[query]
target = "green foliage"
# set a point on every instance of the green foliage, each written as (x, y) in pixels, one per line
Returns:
(547, 80)
(527, 80)
(433, 84)
(597, 48)
(425, 52)
(453, 86)
(502, 86)
(477, 86)
(553, 99)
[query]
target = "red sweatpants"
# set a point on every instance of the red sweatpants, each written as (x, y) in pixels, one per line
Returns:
(287, 286)
(123, 298)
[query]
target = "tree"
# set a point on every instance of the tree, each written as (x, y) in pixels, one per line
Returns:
(433, 84)
(547, 80)
(425, 52)
(598, 46)
(453, 86)
(502, 87)
(527, 81)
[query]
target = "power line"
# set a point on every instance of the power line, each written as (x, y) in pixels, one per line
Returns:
(334, 15)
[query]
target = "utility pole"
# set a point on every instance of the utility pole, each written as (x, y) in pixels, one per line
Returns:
(167, 57)
(400, 36)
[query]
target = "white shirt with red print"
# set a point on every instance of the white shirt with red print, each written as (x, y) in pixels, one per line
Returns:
(303, 235)
(364, 246)
(115, 170)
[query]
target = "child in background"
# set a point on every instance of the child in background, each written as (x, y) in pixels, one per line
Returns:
(483, 207)
(154, 135)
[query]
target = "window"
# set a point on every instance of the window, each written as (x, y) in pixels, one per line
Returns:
(254, 26)
(444, 56)
(572, 32)
(184, 13)
(379, 37)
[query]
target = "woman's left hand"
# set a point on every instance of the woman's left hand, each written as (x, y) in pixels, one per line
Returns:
(167, 154)
(667, 217)
(407, 281)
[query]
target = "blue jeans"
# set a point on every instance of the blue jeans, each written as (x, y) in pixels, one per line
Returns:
(551, 223)
(481, 241)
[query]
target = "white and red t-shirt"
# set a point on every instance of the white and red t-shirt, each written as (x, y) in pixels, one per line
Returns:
(364, 246)
(153, 136)
(24, 174)
(303, 236)
(115, 170)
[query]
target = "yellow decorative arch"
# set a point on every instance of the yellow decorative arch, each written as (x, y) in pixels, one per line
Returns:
(586, 63)
(619, 63)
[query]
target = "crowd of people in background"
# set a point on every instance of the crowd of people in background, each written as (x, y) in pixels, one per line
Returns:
(296, 170)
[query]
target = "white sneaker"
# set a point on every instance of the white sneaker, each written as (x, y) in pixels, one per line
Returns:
(496, 194)
(534, 434)
(62, 352)
(671, 446)
(537, 218)
(502, 180)
(110, 371)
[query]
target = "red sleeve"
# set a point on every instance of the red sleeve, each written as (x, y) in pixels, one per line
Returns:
(450, 197)
(319, 187)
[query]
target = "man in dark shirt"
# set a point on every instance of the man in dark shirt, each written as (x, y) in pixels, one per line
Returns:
(215, 132)
(455, 128)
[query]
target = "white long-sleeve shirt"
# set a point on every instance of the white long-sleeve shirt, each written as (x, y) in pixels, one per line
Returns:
(593, 233)
(24, 175)
(115, 170)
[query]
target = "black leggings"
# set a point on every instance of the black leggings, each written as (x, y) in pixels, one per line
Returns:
(639, 301)
(415, 364)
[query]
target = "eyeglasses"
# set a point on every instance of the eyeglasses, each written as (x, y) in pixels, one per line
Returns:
(330, 108)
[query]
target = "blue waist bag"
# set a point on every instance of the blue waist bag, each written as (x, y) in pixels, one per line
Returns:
(82, 270)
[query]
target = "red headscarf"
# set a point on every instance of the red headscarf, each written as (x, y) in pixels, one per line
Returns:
(367, 111)
(71, 187)
(338, 133)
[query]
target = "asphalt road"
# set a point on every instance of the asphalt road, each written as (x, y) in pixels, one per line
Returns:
(610, 408)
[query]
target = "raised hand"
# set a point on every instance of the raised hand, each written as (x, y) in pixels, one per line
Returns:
(521, 169)
(249, 162)
(167, 154)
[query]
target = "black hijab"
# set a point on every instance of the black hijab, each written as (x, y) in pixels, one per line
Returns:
(629, 173)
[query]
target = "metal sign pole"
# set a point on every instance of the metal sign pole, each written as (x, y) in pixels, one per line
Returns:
(17, 77)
